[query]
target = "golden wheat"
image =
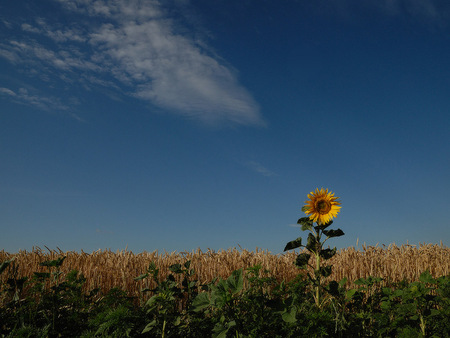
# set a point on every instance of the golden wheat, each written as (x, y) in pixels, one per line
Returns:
(106, 269)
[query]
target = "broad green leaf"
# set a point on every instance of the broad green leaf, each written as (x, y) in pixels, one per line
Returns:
(311, 243)
(236, 281)
(220, 331)
(306, 223)
(302, 260)
(426, 277)
(342, 282)
(398, 293)
(333, 288)
(175, 268)
(327, 253)
(289, 315)
(187, 264)
(434, 312)
(201, 301)
(350, 293)
(293, 244)
(333, 233)
(325, 271)
(231, 324)
(152, 301)
(56, 262)
(323, 226)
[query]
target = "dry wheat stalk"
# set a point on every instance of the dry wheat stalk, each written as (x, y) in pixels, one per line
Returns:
(107, 269)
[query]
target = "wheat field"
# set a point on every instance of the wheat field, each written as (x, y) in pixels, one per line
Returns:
(107, 269)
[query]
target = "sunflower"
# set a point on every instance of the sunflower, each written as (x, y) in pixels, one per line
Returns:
(322, 206)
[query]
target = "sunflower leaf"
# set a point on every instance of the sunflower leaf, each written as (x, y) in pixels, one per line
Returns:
(325, 271)
(323, 226)
(327, 253)
(293, 244)
(306, 223)
(305, 208)
(302, 260)
(311, 243)
(333, 233)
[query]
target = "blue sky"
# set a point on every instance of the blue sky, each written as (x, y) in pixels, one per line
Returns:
(176, 125)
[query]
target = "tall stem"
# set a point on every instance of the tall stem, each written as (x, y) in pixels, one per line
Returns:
(318, 279)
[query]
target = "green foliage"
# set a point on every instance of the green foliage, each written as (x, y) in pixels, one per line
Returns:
(249, 303)
(314, 248)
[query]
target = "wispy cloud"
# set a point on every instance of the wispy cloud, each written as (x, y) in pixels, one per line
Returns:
(260, 169)
(50, 104)
(136, 46)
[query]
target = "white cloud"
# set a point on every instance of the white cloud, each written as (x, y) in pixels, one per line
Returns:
(137, 46)
(7, 91)
(169, 69)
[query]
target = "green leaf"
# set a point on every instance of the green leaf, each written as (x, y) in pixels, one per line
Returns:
(350, 293)
(306, 223)
(385, 305)
(333, 233)
(311, 243)
(141, 277)
(342, 282)
(175, 268)
(187, 264)
(304, 208)
(293, 244)
(302, 260)
(327, 253)
(398, 293)
(426, 277)
(220, 331)
(289, 314)
(236, 281)
(5, 264)
(149, 326)
(56, 262)
(325, 271)
(201, 301)
(323, 226)
(333, 288)
(42, 275)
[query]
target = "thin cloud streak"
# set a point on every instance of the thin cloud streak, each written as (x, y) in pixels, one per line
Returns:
(260, 169)
(49, 104)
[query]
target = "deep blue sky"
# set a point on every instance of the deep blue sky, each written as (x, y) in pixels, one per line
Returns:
(183, 124)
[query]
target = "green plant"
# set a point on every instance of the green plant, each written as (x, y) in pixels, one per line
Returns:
(164, 308)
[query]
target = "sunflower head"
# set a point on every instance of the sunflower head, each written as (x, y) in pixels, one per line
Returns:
(322, 206)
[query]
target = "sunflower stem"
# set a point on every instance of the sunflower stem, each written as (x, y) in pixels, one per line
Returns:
(318, 279)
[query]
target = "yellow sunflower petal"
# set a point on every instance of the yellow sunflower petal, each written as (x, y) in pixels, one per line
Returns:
(322, 206)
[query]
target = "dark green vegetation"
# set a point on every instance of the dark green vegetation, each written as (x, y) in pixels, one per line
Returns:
(249, 303)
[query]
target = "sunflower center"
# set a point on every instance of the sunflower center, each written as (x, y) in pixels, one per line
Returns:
(323, 207)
